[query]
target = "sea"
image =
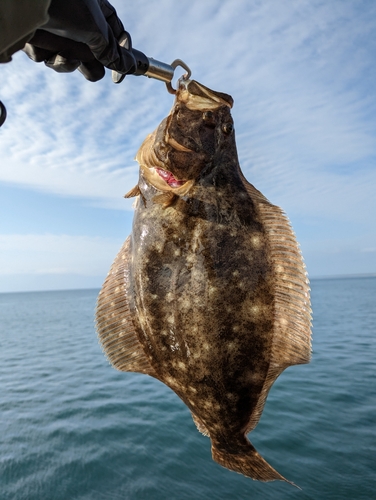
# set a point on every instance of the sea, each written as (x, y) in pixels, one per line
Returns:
(72, 427)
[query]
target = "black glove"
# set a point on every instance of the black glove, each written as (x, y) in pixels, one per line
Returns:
(3, 113)
(82, 34)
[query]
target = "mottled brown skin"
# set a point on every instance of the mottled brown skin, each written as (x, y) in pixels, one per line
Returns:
(195, 282)
(198, 269)
(210, 294)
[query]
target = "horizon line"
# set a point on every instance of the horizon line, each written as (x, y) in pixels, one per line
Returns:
(323, 277)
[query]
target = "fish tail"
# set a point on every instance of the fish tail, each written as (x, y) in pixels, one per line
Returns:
(246, 460)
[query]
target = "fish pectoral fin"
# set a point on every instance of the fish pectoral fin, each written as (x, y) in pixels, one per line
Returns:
(165, 199)
(115, 328)
(200, 426)
(247, 461)
(135, 191)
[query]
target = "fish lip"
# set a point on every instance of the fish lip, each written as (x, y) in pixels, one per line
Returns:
(169, 142)
(177, 146)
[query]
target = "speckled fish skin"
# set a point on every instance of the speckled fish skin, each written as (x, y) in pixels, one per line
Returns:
(209, 294)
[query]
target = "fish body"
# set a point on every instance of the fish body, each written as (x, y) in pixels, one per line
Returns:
(209, 294)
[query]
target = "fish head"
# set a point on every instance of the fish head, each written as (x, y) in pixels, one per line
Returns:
(186, 143)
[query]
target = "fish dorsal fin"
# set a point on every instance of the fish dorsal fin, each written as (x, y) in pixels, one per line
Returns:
(291, 343)
(114, 323)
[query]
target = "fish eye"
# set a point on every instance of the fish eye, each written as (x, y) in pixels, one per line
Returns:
(209, 119)
(228, 128)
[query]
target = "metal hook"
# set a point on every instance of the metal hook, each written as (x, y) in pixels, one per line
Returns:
(186, 76)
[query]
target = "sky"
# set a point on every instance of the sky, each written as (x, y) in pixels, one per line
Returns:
(303, 77)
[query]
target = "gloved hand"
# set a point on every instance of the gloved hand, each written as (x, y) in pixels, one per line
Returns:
(82, 34)
(3, 113)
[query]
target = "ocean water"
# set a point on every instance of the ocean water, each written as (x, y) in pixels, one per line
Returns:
(71, 427)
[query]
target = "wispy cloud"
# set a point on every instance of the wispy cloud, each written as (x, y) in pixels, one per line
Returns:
(302, 74)
(56, 254)
(292, 67)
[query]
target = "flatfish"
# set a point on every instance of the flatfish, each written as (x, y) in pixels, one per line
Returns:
(209, 294)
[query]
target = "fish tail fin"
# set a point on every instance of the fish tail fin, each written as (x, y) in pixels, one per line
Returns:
(249, 462)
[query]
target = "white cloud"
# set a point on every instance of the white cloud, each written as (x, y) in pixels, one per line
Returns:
(41, 254)
(302, 75)
(290, 66)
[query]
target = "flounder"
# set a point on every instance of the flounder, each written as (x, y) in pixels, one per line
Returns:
(209, 294)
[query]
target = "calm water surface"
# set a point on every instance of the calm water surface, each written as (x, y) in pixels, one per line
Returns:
(71, 427)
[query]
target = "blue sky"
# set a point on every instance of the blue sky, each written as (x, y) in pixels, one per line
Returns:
(303, 77)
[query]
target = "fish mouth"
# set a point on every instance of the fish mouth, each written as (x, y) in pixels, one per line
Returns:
(169, 178)
(153, 157)
(165, 181)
